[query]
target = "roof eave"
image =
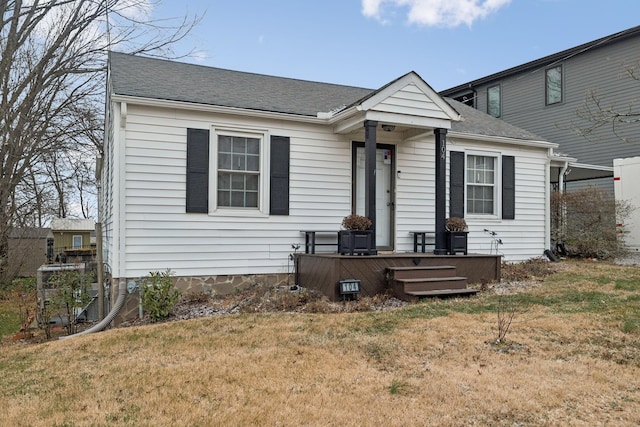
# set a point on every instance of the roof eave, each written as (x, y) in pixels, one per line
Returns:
(504, 140)
(165, 103)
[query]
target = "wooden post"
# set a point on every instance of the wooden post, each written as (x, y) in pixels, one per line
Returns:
(370, 174)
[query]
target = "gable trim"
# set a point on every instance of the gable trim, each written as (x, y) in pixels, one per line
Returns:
(402, 82)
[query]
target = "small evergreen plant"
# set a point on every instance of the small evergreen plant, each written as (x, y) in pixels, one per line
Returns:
(159, 296)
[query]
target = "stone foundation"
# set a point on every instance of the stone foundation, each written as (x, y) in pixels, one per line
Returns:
(191, 285)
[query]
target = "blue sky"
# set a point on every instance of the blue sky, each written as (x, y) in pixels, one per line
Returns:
(368, 43)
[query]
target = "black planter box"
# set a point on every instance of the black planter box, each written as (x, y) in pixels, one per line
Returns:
(457, 242)
(356, 242)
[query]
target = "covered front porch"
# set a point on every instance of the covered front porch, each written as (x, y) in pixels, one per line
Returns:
(406, 110)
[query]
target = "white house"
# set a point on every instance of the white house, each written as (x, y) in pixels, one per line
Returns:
(214, 173)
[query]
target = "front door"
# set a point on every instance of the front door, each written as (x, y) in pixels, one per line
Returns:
(384, 192)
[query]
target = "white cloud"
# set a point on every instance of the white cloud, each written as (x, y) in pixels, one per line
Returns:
(435, 13)
(199, 56)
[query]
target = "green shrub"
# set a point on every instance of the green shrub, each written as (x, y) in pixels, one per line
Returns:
(159, 296)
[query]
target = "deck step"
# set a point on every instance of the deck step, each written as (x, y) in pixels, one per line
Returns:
(403, 273)
(435, 293)
(432, 283)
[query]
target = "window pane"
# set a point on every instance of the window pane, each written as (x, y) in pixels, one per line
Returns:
(224, 181)
(239, 145)
(238, 162)
(493, 101)
(252, 199)
(224, 144)
(554, 85)
(237, 199)
(252, 182)
(224, 161)
(253, 163)
(237, 182)
(224, 198)
(253, 146)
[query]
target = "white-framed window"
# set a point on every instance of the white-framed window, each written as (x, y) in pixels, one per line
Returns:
(481, 181)
(494, 101)
(76, 241)
(240, 170)
(553, 85)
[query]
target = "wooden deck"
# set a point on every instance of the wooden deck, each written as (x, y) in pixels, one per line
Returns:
(323, 272)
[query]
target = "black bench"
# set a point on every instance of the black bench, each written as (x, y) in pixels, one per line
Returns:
(310, 240)
(420, 240)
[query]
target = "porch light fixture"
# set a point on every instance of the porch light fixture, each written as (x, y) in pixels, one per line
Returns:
(349, 287)
(388, 128)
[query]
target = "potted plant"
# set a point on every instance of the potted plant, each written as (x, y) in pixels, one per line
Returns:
(456, 235)
(357, 238)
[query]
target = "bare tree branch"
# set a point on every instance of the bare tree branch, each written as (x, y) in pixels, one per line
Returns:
(600, 112)
(53, 57)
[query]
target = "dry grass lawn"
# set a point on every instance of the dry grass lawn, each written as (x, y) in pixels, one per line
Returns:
(571, 358)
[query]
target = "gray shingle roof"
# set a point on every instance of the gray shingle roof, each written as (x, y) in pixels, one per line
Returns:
(476, 122)
(176, 81)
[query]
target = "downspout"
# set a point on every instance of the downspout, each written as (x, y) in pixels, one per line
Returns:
(563, 171)
(122, 297)
(563, 210)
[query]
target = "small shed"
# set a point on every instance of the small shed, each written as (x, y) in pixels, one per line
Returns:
(28, 249)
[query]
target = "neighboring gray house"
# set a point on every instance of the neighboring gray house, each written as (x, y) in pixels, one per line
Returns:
(548, 96)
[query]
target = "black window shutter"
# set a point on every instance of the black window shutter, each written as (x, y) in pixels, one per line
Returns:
(456, 184)
(197, 170)
(508, 187)
(279, 179)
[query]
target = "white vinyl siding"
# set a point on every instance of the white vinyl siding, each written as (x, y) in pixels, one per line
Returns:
(525, 236)
(157, 234)
(161, 235)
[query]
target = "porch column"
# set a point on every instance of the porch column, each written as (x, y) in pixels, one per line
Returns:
(441, 189)
(370, 173)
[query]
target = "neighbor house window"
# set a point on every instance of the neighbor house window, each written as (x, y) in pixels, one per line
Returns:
(238, 174)
(553, 85)
(77, 241)
(493, 101)
(481, 184)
